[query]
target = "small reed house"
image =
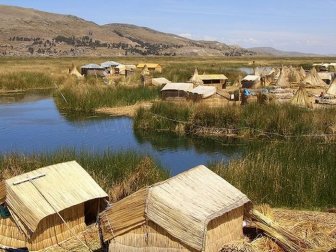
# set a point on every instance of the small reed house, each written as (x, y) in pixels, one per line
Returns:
(217, 80)
(42, 208)
(153, 67)
(251, 81)
(194, 211)
(93, 69)
(176, 90)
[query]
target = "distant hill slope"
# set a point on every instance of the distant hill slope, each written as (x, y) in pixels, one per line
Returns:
(274, 52)
(29, 32)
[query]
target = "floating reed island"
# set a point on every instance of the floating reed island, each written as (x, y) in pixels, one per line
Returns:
(61, 208)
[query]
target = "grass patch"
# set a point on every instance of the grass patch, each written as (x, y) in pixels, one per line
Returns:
(126, 170)
(249, 121)
(25, 81)
(86, 97)
(296, 174)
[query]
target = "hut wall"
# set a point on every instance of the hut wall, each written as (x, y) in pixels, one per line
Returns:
(173, 93)
(52, 230)
(94, 72)
(250, 84)
(147, 237)
(10, 234)
(219, 84)
(224, 229)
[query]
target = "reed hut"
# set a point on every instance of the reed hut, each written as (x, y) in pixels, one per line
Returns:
(48, 206)
(194, 211)
(176, 90)
(283, 80)
(332, 89)
(313, 80)
(153, 67)
(327, 77)
(301, 98)
(93, 69)
(216, 80)
(126, 70)
(251, 81)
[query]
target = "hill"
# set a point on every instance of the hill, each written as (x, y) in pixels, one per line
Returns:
(29, 32)
(274, 52)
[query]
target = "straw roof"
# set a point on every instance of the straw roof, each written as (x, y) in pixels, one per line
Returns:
(63, 185)
(325, 75)
(283, 80)
(195, 79)
(251, 77)
(149, 65)
(92, 66)
(178, 86)
(301, 98)
(212, 77)
(204, 91)
(302, 73)
(332, 89)
(295, 75)
(182, 205)
(314, 80)
(160, 81)
(108, 64)
(264, 71)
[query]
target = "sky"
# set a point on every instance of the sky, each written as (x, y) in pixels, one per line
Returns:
(291, 25)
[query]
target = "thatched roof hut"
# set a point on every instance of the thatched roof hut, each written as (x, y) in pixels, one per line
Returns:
(109, 64)
(301, 98)
(217, 80)
(194, 211)
(48, 206)
(283, 80)
(92, 69)
(267, 75)
(151, 67)
(176, 90)
(327, 77)
(332, 89)
(313, 80)
(251, 81)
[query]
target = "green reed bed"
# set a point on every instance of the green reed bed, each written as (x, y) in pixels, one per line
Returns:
(252, 120)
(88, 97)
(108, 168)
(25, 81)
(295, 174)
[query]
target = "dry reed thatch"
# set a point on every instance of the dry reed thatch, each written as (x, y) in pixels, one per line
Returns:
(313, 80)
(301, 98)
(47, 206)
(73, 71)
(194, 207)
(56, 177)
(287, 240)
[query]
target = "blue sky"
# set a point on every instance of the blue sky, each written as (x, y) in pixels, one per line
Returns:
(298, 25)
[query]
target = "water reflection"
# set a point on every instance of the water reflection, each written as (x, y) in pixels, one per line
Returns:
(37, 126)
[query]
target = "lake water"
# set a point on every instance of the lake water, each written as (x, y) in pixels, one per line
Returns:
(34, 124)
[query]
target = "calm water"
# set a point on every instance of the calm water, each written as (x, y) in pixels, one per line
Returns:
(35, 125)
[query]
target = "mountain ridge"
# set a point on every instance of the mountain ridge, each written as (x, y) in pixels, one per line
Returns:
(30, 32)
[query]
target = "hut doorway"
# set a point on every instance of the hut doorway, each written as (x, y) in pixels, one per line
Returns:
(92, 209)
